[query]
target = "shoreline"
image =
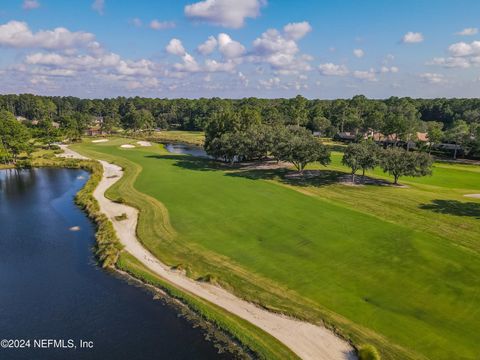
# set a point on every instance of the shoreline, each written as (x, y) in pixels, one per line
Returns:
(306, 340)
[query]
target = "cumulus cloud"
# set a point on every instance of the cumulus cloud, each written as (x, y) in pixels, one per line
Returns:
(161, 25)
(175, 47)
(296, 31)
(468, 31)
(17, 34)
(359, 53)
(99, 6)
(208, 46)
(412, 38)
(229, 48)
(30, 4)
(331, 69)
(226, 13)
(108, 62)
(280, 50)
(368, 75)
(461, 55)
(433, 78)
(391, 69)
(465, 49)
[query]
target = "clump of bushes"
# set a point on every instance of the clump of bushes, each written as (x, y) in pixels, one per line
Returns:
(108, 246)
(368, 352)
(23, 164)
(121, 217)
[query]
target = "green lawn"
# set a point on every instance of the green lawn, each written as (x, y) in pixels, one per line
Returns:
(397, 267)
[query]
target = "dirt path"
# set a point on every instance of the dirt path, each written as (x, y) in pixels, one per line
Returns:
(308, 341)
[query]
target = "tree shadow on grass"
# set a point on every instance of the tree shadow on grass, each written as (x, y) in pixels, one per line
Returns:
(453, 207)
(191, 162)
(287, 176)
(308, 178)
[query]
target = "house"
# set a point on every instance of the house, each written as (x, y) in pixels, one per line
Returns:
(345, 136)
(94, 130)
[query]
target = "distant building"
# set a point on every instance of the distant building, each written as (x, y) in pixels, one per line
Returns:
(345, 136)
(95, 130)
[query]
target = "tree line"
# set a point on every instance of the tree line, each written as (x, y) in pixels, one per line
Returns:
(455, 121)
(236, 137)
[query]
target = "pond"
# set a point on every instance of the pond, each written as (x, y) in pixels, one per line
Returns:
(186, 149)
(52, 288)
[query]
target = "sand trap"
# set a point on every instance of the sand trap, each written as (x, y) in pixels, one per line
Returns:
(74, 228)
(144, 143)
(99, 140)
(127, 146)
(475, 196)
(308, 341)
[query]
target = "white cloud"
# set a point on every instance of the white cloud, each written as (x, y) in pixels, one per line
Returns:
(229, 48)
(368, 75)
(270, 83)
(468, 31)
(175, 47)
(281, 51)
(208, 46)
(451, 62)
(391, 69)
(99, 6)
(433, 78)
(108, 62)
(412, 38)
(18, 35)
(136, 22)
(464, 49)
(359, 53)
(30, 4)
(226, 13)
(296, 31)
(462, 55)
(330, 69)
(161, 25)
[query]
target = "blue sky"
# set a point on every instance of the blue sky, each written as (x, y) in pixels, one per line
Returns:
(275, 48)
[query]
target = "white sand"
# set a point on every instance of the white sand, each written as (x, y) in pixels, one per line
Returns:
(475, 196)
(99, 140)
(307, 340)
(144, 143)
(127, 146)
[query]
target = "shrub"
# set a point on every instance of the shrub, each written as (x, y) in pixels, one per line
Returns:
(368, 352)
(23, 164)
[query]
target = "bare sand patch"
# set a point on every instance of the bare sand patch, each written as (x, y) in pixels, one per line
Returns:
(144, 143)
(99, 140)
(474, 196)
(127, 146)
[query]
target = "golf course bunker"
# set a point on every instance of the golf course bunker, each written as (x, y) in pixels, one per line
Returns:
(474, 196)
(144, 143)
(99, 140)
(127, 146)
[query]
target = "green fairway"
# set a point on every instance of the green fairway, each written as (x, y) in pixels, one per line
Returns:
(396, 267)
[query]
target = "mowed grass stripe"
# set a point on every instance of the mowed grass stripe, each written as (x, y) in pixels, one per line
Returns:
(414, 288)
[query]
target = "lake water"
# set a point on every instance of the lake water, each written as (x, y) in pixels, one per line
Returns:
(186, 149)
(51, 287)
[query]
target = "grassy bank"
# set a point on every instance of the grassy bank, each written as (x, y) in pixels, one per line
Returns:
(354, 257)
(263, 345)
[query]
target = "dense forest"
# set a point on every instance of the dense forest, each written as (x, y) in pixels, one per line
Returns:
(454, 121)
